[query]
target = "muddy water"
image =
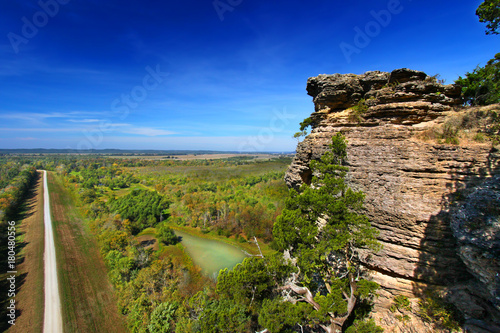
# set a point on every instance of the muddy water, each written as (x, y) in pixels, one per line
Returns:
(211, 255)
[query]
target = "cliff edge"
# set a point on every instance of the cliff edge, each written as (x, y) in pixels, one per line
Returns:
(420, 194)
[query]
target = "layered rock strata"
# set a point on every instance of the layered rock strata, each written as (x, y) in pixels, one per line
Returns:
(410, 185)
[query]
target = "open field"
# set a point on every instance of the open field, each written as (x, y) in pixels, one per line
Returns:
(189, 157)
(211, 173)
(29, 298)
(88, 298)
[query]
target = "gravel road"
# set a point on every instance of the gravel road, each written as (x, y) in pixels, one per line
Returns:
(52, 318)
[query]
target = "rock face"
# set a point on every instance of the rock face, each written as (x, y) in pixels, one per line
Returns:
(411, 186)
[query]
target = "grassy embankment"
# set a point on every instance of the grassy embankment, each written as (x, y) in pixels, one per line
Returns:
(29, 281)
(89, 303)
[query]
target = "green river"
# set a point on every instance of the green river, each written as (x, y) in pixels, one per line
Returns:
(211, 255)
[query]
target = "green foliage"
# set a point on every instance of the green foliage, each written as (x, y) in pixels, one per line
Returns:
(252, 281)
(482, 86)
(319, 248)
(166, 235)
(279, 316)
(297, 228)
(400, 303)
(435, 310)
(368, 326)
(450, 132)
(17, 185)
(163, 318)
(489, 12)
(142, 207)
(304, 125)
(224, 316)
(358, 110)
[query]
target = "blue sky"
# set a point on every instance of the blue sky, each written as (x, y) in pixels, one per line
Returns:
(204, 74)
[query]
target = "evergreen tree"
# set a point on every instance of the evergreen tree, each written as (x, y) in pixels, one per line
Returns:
(489, 12)
(319, 231)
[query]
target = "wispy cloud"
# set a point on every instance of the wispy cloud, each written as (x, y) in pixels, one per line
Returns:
(146, 131)
(39, 129)
(84, 120)
(38, 117)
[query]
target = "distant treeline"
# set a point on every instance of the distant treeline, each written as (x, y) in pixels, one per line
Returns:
(118, 152)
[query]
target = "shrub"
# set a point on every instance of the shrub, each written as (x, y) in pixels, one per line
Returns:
(435, 310)
(400, 303)
(358, 110)
(368, 326)
(166, 235)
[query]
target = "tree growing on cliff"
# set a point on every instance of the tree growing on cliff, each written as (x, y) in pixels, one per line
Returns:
(319, 232)
(489, 13)
(482, 85)
(304, 126)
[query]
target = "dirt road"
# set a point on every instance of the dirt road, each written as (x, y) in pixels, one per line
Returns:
(52, 319)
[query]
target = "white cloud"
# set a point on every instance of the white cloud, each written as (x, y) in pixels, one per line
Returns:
(84, 120)
(146, 131)
(47, 130)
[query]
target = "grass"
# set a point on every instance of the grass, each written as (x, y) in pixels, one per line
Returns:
(124, 191)
(88, 300)
(29, 281)
(433, 309)
(215, 173)
(476, 125)
(357, 111)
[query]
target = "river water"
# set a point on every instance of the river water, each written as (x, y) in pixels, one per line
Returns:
(211, 255)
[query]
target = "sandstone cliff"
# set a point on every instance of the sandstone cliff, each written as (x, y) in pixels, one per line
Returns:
(418, 194)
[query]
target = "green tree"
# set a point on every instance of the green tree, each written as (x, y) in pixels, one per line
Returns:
(482, 86)
(489, 13)
(320, 230)
(163, 318)
(166, 235)
(304, 125)
(224, 316)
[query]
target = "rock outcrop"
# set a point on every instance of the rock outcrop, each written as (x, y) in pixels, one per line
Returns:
(412, 187)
